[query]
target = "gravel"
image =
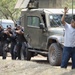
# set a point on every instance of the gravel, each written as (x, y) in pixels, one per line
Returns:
(37, 66)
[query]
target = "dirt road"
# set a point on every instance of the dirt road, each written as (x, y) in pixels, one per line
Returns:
(37, 66)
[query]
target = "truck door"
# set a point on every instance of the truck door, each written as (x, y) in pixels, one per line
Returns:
(33, 31)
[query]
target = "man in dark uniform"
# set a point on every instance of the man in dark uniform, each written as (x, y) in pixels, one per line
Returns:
(13, 43)
(1, 40)
(20, 40)
(9, 39)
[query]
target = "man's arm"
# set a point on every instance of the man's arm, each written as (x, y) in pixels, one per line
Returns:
(63, 17)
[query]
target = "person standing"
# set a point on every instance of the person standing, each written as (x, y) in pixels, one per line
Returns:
(6, 37)
(69, 41)
(21, 42)
(1, 40)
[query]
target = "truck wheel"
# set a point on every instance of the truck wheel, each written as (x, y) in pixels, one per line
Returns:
(25, 53)
(55, 54)
(28, 53)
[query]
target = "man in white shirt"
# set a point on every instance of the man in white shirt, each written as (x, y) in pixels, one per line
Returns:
(69, 42)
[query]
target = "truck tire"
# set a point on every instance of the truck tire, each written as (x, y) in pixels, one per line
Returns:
(28, 53)
(55, 54)
(25, 54)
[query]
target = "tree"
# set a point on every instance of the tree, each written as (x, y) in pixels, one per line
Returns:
(68, 3)
(7, 9)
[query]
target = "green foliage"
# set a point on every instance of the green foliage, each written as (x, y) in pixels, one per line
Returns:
(7, 9)
(68, 3)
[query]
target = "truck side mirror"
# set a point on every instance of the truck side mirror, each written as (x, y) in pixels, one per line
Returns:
(42, 26)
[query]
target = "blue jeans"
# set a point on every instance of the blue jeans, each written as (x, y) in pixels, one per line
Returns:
(67, 53)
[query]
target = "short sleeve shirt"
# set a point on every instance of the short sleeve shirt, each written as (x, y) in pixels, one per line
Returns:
(69, 38)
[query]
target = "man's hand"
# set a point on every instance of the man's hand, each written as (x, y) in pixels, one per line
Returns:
(19, 32)
(6, 32)
(63, 17)
(65, 10)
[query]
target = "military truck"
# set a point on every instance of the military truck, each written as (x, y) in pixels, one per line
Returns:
(44, 32)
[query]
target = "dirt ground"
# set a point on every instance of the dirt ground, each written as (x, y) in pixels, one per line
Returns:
(37, 66)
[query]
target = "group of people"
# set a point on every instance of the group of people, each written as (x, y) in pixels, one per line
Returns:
(12, 40)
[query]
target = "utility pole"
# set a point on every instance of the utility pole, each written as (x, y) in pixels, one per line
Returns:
(72, 9)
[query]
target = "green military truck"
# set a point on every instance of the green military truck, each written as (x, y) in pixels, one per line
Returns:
(44, 32)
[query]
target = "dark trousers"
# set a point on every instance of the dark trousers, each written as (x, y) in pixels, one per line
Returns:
(67, 53)
(17, 50)
(1, 47)
(24, 47)
(5, 50)
(12, 49)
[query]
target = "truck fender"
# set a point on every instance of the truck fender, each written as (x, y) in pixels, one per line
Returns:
(53, 39)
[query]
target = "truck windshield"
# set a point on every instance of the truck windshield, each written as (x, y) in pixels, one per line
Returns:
(55, 19)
